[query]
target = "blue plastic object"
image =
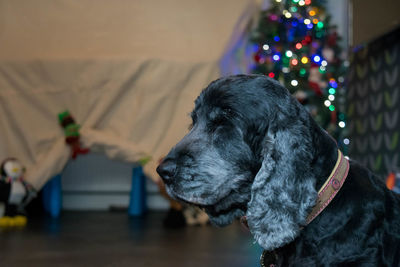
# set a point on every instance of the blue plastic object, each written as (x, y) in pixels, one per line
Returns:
(137, 202)
(52, 197)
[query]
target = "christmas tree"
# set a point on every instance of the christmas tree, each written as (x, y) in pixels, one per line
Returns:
(296, 45)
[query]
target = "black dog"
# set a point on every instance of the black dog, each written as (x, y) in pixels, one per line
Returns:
(254, 151)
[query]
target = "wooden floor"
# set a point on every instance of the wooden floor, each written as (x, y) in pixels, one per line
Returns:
(114, 239)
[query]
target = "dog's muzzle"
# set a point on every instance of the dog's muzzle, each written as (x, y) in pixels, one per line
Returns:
(166, 170)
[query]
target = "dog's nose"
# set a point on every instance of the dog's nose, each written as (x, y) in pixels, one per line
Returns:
(166, 170)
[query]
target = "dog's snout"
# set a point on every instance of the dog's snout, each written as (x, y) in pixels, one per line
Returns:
(166, 169)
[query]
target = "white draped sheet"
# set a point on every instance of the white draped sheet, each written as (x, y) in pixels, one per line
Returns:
(128, 71)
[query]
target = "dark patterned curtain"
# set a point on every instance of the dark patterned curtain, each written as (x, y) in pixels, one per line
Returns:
(374, 104)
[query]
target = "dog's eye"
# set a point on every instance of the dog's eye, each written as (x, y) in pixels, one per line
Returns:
(215, 123)
(218, 120)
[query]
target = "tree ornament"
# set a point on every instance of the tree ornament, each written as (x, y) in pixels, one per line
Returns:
(328, 54)
(315, 80)
(301, 96)
(332, 39)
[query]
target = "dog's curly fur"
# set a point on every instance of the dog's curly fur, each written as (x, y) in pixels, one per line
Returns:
(254, 150)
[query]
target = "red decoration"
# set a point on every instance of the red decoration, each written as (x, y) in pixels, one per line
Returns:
(257, 58)
(391, 181)
(315, 88)
(332, 39)
(76, 149)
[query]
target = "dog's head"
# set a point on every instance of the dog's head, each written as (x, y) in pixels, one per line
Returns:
(249, 152)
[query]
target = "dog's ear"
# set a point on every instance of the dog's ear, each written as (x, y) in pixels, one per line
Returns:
(283, 191)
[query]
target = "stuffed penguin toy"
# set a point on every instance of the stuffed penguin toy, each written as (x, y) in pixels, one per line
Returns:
(13, 193)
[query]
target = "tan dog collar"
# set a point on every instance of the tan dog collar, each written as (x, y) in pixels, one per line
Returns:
(325, 195)
(331, 186)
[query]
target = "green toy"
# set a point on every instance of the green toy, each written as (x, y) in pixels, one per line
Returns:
(71, 131)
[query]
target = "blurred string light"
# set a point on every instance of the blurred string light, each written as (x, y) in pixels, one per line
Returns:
(304, 60)
(285, 60)
(274, 17)
(316, 58)
(306, 51)
(346, 141)
(333, 83)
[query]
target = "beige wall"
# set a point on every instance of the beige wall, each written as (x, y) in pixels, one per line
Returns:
(179, 30)
(373, 18)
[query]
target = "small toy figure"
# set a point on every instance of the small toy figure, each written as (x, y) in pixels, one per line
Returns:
(15, 193)
(72, 136)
